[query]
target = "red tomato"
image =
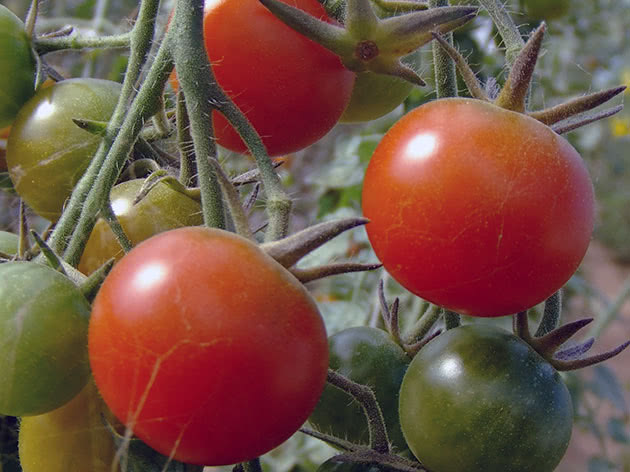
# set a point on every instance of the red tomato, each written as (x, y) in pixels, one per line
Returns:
(478, 209)
(206, 347)
(291, 89)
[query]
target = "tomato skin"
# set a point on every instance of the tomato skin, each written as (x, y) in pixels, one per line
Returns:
(18, 85)
(73, 437)
(291, 89)
(199, 339)
(478, 209)
(162, 209)
(477, 398)
(46, 152)
(43, 334)
(368, 356)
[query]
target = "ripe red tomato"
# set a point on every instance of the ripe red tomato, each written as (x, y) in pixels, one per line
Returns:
(206, 347)
(291, 89)
(478, 209)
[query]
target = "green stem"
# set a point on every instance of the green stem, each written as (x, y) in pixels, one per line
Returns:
(142, 36)
(187, 167)
(197, 81)
(424, 324)
(452, 319)
(507, 28)
(144, 106)
(116, 227)
(444, 67)
(45, 45)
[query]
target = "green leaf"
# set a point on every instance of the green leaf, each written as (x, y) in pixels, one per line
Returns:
(606, 386)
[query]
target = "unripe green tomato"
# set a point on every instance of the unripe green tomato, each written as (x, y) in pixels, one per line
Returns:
(368, 356)
(160, 210)
(479, 399)
(47, 152)
(547, 9)
(18, 66)
(43, 339)
(73, 437)
(8, 243)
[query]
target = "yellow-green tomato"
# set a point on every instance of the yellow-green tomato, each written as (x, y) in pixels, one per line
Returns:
(43, 339)
(73, 438)
(46, 151)
(8, 243)
(17, 80)
(160, 210)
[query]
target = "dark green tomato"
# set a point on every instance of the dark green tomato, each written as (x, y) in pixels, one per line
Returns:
(46, 152)
(43, 339)
(17, 81)
(333, 465)
(547, 9)
(368, 356)
(479, 399)
(160, 210)
(8, 243)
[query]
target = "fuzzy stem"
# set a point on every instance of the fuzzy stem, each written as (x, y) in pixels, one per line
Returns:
(444, 67)
(188, 166)
(197, 81)
(44, 45)
(551, 315)
(424, 324)
(142, 36)
(507, 28)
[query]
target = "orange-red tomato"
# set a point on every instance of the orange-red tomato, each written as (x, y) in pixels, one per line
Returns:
(481, 210)
(206, 347)
(291, 89)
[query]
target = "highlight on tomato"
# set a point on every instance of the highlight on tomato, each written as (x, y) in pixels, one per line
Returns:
(46, 151)
(43, 339)
(291, 89)
(478, 209)
(206, 347)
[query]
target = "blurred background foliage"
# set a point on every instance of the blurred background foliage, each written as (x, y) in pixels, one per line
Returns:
(587, 48)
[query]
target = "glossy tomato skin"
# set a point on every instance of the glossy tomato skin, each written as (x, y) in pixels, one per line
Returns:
(43, 335)
(206, 347)
(46, 152)
(368, 356)
(477, 398)
(73, 437)
(17, 83)
(162, 209)
(291, 89)
(478, 209)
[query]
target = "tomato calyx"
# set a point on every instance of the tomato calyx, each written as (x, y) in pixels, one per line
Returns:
(388, 39)
(288, 251)
(513, 95)
(549, 340)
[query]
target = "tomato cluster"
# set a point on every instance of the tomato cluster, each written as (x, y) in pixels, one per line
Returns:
(206, 346)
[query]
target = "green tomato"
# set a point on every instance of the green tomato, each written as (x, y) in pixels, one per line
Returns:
(334, 465)
(8, 243)
(160, 210)
(46, 152)
(43, 339)
(477, 398)
(17, 81)
(73, 437)
(368, 356)
(547, 9)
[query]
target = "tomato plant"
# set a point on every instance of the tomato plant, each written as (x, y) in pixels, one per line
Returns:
(547, 9)
(73, 437)
(43, 333)
(368, 356)
(206, 347)
(162, 209)
(334, 465)
(478, 209)
(291, 89)
(17, 83)
(8, 243)
(478, 398)
(46, 152)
